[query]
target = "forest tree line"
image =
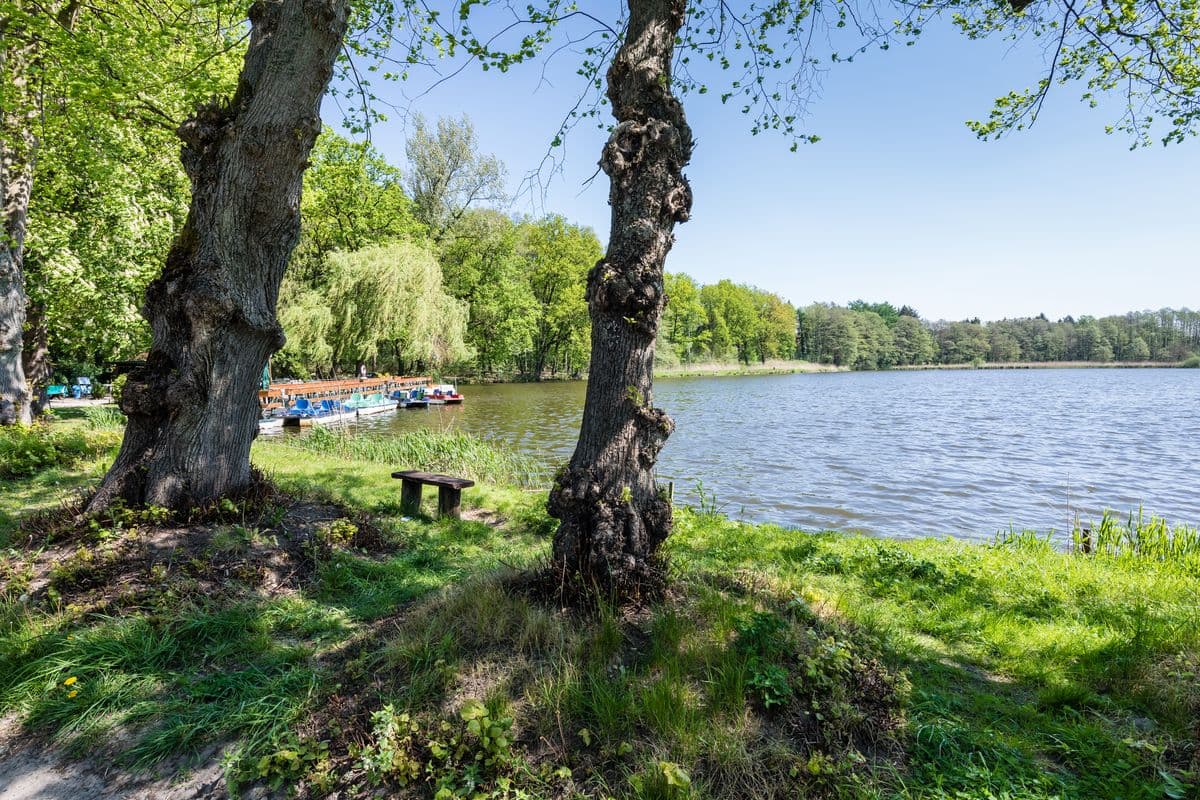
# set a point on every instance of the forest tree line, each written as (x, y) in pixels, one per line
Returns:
(421, 269)
(864, 335)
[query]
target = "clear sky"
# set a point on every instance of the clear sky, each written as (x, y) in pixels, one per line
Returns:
(898, 201)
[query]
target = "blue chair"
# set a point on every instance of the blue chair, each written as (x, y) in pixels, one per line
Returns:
(301, 408)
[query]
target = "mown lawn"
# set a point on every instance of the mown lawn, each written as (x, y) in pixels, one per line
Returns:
(421, 659)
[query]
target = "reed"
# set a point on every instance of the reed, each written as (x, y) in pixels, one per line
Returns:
(1139, 537)
(451, 451)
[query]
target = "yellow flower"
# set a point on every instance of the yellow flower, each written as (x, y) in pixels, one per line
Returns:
(70, 681)
(72, 693)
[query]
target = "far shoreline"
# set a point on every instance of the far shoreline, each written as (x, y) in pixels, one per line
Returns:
(785, 367)
(1047, 365)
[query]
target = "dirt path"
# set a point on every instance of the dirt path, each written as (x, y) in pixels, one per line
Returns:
(31, 769)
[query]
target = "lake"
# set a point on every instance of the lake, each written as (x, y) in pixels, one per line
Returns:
(962, 453)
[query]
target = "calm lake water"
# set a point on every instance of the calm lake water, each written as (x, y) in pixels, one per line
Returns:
(964, 453)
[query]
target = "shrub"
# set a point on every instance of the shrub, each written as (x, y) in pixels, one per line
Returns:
(1191, 362)
(27, 450)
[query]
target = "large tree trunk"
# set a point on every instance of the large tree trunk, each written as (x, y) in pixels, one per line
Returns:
(613, 518)
(193, 408)
(17, 147)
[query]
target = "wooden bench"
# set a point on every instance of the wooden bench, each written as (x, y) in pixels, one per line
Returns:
(449, 491)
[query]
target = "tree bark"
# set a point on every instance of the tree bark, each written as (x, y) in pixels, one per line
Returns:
(17, 149)
(612, 516)
(35, 358)
(193, 407)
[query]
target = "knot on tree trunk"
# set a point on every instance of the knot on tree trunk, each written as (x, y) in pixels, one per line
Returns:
(145, 390)
(608, 538)
(634, 293)
(201, 132)
(654, 427)
(634, 142)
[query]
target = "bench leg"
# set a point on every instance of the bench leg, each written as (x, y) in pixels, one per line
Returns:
(449, 499)
(410, 497)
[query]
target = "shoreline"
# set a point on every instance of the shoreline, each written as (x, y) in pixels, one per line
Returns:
(784, 367)
(698, 370)
(1046, 365)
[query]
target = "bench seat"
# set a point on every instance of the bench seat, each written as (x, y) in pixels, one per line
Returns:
(449, 491)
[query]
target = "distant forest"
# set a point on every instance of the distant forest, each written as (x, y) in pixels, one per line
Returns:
(724, 321)
(878, 335)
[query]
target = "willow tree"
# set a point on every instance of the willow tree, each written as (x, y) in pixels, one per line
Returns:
(613, 517)
(388, 300)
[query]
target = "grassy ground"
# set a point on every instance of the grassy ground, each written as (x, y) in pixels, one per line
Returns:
(413, 657)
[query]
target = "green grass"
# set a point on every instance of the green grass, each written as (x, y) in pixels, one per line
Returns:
(449, 451)
(1004, 671)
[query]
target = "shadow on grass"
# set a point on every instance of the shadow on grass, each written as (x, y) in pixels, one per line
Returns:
(179, 669)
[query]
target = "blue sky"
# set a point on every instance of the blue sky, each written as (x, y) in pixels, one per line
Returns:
(898, 201)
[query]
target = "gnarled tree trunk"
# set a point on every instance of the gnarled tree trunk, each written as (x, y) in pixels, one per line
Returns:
(613, 518)
(193, 408)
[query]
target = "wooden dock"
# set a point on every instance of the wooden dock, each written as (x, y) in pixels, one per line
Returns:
(282, 395)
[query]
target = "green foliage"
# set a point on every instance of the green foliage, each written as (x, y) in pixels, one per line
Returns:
(662, 780)
(723, 319)
(466, 757)
(392, 755)
(102, 417)
(414, 285)
(292, 758)
(389, 299)
(558, 256)
(447, 174)
(339, 533)
(860, 337)
(28, 450)
(108, 189)
(353, 198)
(481, 265)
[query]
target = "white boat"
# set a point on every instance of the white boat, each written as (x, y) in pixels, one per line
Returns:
(370, 404)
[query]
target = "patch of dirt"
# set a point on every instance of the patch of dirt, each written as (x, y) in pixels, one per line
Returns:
(32, 769)
(129, 561)
(484, 515)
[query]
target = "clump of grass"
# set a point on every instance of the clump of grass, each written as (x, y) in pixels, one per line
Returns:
(1139, 537)
(452, 451)
(102, 417)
